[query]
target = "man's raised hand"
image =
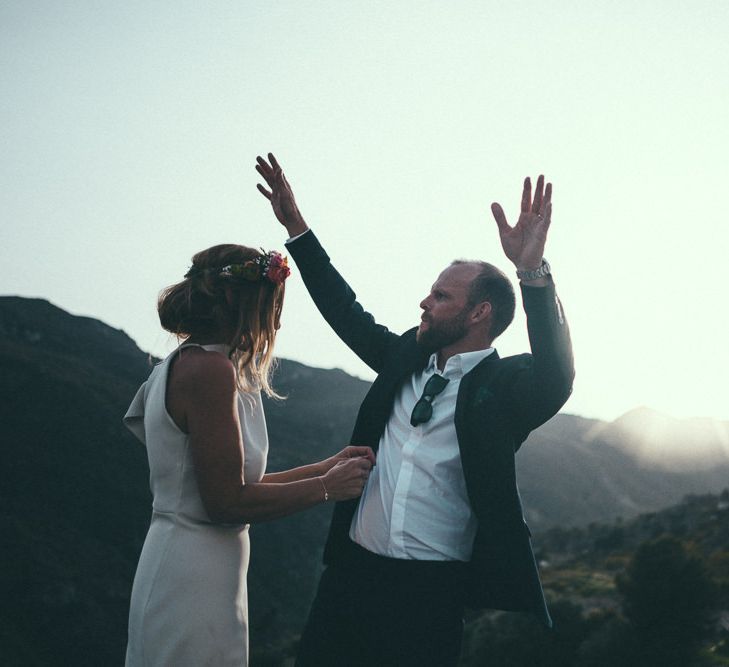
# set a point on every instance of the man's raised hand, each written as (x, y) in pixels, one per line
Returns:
(280, 195)
(524, 243)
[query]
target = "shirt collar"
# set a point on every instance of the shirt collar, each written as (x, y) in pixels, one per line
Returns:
(459, 364)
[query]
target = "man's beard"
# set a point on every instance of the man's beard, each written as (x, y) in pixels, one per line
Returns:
(440, 335)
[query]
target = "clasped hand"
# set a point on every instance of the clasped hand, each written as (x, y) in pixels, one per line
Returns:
(347, 472)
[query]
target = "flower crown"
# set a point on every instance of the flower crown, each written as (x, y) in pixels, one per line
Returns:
(272, 266)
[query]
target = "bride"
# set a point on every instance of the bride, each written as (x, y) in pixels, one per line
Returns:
(201, 418)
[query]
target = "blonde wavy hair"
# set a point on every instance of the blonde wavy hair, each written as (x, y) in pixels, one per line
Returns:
(247, 313)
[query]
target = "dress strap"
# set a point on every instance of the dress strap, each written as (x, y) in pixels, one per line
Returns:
(174, 354)
(208, 348)
(184, 345)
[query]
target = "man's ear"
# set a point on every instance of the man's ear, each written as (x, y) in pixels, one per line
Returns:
(480, 312)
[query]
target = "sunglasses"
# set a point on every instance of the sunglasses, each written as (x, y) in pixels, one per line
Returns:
(423, 409)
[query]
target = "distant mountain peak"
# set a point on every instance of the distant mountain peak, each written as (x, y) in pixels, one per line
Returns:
(674, 444)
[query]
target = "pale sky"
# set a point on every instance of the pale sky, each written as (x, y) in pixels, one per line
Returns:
(129, 131)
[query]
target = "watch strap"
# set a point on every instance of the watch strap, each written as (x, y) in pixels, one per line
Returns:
(543, 270)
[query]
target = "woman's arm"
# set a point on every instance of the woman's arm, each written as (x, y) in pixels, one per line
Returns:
(293, 475)
(319, 468)
(202, 398)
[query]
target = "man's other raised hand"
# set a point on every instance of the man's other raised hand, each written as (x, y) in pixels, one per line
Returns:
(524, 243)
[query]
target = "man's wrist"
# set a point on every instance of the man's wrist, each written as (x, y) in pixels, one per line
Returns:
(294, 237)
(531, 274)
(296, 227)
(535, 277)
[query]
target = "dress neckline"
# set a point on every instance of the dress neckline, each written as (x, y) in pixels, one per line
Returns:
(223, 348)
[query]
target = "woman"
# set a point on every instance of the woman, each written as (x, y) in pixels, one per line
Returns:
(201, 418)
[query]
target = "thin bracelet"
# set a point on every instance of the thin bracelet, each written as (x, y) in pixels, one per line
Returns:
(326, 493)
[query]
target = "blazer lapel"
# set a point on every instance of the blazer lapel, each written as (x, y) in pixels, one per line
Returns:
(377, 404)
(474, 386)
(474, 395)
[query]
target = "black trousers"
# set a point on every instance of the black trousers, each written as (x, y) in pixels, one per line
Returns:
(373, 611)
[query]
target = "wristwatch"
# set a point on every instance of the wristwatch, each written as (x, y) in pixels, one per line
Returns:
(543, 270)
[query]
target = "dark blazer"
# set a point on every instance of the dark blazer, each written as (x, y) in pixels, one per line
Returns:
(499, 402)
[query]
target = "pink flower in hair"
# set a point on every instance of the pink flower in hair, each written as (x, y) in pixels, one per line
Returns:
(278, 268)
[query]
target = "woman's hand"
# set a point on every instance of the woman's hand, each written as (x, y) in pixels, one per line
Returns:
(347, 478)
(349, 452)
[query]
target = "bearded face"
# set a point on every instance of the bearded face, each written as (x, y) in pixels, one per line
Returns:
(434, 334)
(446, 309)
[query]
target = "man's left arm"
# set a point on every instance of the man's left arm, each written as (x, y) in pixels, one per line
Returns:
(542, 388)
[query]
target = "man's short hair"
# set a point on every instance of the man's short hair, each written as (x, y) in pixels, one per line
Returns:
(492, 285)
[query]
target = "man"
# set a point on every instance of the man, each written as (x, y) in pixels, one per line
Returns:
(439, 524)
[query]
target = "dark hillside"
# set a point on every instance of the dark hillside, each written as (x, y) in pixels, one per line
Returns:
(75, 500)
(75, 504)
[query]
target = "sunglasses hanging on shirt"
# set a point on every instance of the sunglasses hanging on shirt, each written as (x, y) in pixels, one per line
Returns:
(423, 409)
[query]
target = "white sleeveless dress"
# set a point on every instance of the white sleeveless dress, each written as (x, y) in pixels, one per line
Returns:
(189, 603)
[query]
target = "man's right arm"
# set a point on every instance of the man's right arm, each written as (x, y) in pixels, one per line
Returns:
(334, 298)
(338, 303)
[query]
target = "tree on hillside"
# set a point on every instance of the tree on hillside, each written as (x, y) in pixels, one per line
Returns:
(668, 599)
(518, 639)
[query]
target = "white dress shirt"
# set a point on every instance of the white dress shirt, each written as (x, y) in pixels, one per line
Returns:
(415, 504)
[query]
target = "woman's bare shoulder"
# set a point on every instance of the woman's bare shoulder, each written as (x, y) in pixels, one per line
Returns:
(196, 368)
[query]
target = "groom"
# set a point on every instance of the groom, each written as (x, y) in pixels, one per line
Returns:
(439, 525)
